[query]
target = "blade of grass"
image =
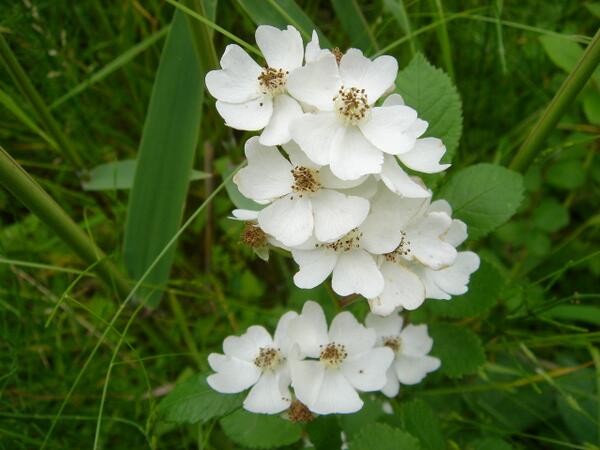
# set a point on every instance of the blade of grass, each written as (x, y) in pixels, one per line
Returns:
(355, 25)
(24, 187)
(166, 155)
(112, 66)
(203, 42)
(444, 40)
(397, 9)
(28, 90)
(558, 105)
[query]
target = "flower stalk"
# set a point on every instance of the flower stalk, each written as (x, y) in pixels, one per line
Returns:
(573, 84)
(14, 178)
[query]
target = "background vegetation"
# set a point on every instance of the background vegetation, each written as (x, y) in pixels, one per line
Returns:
(522, 368)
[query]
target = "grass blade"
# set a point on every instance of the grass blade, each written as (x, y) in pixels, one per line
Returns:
(166, 154)
(355, 25)
(397, 9)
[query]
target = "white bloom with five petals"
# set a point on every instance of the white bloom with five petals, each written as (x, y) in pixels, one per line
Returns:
(250, 97)
(301, 194)
(342, 360)
(256, 360)
(411, 346)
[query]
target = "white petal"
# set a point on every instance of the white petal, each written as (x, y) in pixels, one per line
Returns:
(267, 175)
(366, 187)
(387, 126)
(288, 219)
(282, 49)
(425, 243)
(244, 214)
(385, 326)
(402, 288)
(454, 279)
(309, 330)
(357, 273)
(412, 370)
(393, 100)
(314, 50)
(392, 386)
(418, 128)
(285, 110)
(233, 375)
(268, 395)
(336, 214)
(415, 340)
(298, 157)
(427, 277)
(329, 180)
(282, 339)
(398, 181)
(440, 205)
(373, 76)
(323, 391)
(251, 115)
(368, 372)
(316, 83)
(315, 266)
(238, 81)
(247, 345)
(425, 156)
(457, 233)
(346, 330)
(317, 134)
(354, 156)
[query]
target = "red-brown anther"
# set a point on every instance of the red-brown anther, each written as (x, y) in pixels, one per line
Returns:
(253, 236)
(298, 412)
(305, 179)
(338, 54)
(273, 81)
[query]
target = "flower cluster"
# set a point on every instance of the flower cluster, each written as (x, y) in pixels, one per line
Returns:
(327, 367)
(330, 169)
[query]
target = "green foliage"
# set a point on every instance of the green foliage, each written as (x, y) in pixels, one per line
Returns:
(195, 401)
(259, 430)
(325, 432)
(421, 421)
(484, 196)
(429, 91)
(459, 349)
(383, 437)
(354, 24)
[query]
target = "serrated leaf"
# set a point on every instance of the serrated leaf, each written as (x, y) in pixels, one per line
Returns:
(383, 437)
(119, 175)
(459, 349)
(325, 432)
(260, 430)
(195, 401)
(484, 287)
(431, 93)
(369, 414)
(419, 420)
(484, 196)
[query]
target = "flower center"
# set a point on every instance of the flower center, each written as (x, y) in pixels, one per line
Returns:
(332, 355)
(299, 412)
(351, 105)
(305, 179)
(392, 342)
(346, 243)
(273, 81)
(337, 53)
(253, 236)
(268, 358)
(402, 251)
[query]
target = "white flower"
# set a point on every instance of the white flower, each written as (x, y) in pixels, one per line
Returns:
(255, 359)
(422, 244)
(250, 97)
(411, 346)
(343, 362)
(352, 258)
(300, 195)
(252, 235)
(348, 132)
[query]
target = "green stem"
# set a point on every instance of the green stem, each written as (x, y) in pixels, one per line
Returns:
(28, 90)
(185, 331)
(205, 48)
(558, 106)
(444, 40)
(14, 178)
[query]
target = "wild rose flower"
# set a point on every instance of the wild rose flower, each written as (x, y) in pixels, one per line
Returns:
(410, 345)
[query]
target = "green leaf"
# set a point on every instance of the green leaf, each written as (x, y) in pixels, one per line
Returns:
(594, 8)
(550, 215)
(564, 53)
(484, 287)
(166, 154)
(355, 25)
(260, 430)
(325, 432)
(567, 174)
(280, 14)
(379, 436)
(575, 313)
(431, 93)
(195, 401)
(489, 443)
(484, 196)
(120, 174)
(591, 106)
(419, 420)
(369, 414)
(458, 347)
